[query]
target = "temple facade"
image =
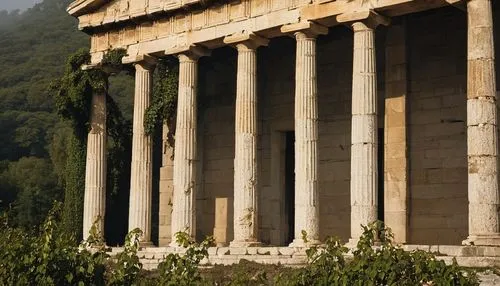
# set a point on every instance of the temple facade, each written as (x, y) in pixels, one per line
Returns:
(302, 119)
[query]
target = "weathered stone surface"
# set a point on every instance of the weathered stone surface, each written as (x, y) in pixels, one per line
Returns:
(94, 206)
(246, 211)
(364, 187)
(186, 157)
(238, 250)
(482, 133)
(166, 189)
(221, 221)
(428, 159)
(223, 251)
(288, 251)
(141, 174)
(306, 141)
(395, 148)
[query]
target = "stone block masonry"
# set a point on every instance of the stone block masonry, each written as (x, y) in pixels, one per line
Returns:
(396, 177)
(437, 209)
(315, 103)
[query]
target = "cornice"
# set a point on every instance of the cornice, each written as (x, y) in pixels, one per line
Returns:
(80, 7)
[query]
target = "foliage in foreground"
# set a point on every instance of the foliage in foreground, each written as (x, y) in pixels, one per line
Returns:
(376, 261)
(50, 256)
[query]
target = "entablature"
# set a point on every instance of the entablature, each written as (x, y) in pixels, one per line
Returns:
(207, 25)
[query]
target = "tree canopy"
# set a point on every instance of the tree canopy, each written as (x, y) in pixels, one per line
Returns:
(34, 141)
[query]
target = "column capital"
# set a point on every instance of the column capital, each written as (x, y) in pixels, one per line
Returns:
(246, 40)
(307, 28)
(189, 53)
(145, 60)
(363, 20)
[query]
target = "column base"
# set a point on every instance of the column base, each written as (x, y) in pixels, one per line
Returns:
(299, 242)
(235, 243)
(483, 240)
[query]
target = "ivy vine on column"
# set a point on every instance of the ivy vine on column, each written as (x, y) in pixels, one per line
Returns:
(164, 102)
(72, 94)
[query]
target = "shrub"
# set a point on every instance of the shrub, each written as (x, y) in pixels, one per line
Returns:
(48, 256)
(376, 261)
(182, 270)
(128, 267)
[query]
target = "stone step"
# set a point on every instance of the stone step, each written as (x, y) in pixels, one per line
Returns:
(468, 256)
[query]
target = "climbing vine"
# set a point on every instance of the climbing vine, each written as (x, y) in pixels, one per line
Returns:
(72, 95)
(164, 100)
(113, 60)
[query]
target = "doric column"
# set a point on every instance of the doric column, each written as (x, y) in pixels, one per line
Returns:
(95, 169)
(306, 133)
(482, 137)
(142, 152)
(364, 187)
(246, 131)
(185, 153)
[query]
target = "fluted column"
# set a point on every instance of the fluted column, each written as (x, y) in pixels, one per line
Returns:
(246, 131)
(185, 154)
(482, 136)
(142, 151)
(306, 135)
(245, 159)
(364, 128)
(95, 169)
(306, 140)
(364, 188)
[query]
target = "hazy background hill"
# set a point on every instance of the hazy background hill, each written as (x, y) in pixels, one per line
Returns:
(34, 45)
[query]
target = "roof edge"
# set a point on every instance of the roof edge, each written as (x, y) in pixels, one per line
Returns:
(80, 7)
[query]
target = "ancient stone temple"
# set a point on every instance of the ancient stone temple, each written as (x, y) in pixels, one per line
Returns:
(302, 119)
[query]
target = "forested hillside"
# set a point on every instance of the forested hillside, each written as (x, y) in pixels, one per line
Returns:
(34, 46)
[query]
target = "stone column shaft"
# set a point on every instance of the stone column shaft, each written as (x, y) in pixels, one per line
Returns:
(364, 130)
(482, 134)
(95, 169)
(142, 152)
(185, 154)
(246, 171)
(306, 141)
(245, 161)
(306, 133)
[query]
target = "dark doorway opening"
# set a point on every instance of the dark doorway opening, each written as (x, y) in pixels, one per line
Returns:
(290, 184)
(380, 166)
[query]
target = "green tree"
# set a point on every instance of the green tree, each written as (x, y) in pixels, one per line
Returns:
(33, 48)
(34, 184)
